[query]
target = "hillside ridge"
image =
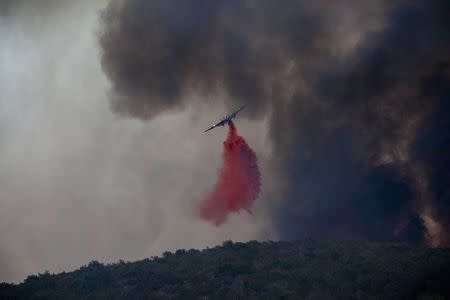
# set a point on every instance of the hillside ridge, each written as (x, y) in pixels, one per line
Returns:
(305, 269)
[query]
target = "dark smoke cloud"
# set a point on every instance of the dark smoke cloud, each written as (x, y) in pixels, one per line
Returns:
(431, 148)
(357, 93)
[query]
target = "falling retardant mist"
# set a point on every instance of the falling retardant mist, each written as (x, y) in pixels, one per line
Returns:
(238, 184)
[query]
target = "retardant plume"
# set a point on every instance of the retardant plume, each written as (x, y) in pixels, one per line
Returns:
(239, 181)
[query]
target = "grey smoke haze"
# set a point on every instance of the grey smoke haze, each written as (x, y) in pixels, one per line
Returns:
(78, 183)
(349, 119)
(352, 90)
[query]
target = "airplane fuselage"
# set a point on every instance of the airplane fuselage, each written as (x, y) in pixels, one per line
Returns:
(227, 119)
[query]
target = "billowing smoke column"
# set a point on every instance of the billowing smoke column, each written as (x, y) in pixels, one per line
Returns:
(239, 181)
(356, 95)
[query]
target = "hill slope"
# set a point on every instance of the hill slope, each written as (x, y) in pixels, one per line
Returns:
(257, 270)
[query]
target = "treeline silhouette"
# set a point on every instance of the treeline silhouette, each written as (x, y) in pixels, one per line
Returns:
(256, 270)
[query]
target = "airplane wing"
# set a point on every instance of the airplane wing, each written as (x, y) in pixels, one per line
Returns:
(214, 126)
(241, 108)
(221, 123)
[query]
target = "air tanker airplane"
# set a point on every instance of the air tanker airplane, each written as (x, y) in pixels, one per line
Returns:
(227, 119)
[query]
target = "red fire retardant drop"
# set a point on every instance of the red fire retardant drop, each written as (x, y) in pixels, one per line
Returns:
(239, 181)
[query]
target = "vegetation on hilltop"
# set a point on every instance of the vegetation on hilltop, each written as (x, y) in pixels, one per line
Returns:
(257, 270)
